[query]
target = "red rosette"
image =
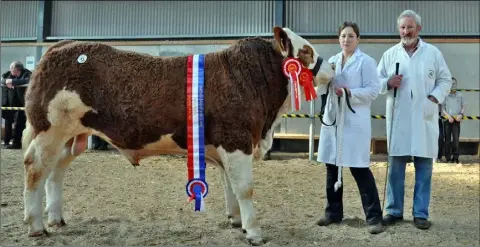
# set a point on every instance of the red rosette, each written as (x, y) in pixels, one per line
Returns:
(306, 77)
(291, 66)
(306, 81)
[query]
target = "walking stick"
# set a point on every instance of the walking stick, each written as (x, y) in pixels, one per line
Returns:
(397, 65)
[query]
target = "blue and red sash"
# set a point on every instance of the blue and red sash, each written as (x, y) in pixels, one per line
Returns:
(197, 187)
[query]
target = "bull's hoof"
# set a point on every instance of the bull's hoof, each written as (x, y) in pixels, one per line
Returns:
(57, 224)
(235, 222)
(135, 164)
(267, 157)
(39, 233)
(255, 241)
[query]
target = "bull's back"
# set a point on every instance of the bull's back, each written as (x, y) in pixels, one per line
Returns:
(132, 95)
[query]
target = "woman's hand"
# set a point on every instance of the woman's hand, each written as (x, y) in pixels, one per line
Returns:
(339, 92)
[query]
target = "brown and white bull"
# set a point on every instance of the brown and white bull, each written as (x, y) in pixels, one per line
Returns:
(71, 96)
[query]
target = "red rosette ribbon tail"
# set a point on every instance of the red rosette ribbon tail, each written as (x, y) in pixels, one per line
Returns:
(291, 69)
(306, 81)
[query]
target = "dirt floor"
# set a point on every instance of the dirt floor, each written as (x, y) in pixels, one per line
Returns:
(109, 202)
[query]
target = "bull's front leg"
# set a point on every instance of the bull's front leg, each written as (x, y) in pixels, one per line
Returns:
(238, 166)
(266, 145)
(231, 202)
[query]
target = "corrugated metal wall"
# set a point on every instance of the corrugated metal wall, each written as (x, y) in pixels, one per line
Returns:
(380, 17)
(161, 18)
(18, 19)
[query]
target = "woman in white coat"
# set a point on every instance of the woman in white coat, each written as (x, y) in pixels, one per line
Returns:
(355, 74)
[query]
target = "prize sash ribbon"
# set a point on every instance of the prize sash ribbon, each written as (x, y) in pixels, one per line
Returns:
(298, 76)
(197, 187)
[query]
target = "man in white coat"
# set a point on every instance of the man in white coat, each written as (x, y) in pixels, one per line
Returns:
(423, 82)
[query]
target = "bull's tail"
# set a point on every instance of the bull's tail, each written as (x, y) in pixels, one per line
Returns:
(27, 136)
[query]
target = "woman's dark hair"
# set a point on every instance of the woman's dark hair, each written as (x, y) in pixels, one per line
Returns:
(349, 24)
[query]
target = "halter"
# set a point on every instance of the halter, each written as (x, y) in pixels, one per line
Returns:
(318, 63)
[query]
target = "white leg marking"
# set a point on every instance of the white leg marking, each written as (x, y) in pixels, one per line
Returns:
(41, 156)
(231, 202)
(54, 189)
(240, 171)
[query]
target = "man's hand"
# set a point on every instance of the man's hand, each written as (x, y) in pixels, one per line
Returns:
(395, 81)
(458, 118)
(450, 119)
(9, 83)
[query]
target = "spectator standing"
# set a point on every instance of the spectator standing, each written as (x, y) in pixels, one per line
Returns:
(453, 109)
(14, 84)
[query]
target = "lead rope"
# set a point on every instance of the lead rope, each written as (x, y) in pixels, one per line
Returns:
(340, 109)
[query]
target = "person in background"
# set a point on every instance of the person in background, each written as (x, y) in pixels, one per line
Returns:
(453, 109)
(423, 82)
(356, 72)
(99, 143)
(14, 84)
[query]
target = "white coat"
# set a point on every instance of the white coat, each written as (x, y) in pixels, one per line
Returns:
(415, 125)
(359, 74)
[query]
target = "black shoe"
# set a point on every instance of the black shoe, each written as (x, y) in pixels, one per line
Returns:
(375, 228)
(421, 223)
(390, 219)
(14, 146)
(325, 221)
(457, 161)
(103, 147)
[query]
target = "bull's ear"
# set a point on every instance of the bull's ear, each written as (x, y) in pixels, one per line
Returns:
(281, 38)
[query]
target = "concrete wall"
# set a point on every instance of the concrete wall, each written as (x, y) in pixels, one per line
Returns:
(463, 60)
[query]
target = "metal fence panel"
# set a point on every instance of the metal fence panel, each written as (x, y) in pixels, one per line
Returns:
(18, 20)
(379, 17)
(144, 19)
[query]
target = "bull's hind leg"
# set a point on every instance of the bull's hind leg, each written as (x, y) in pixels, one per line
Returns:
(43, 155)
(238, 167)
(54, 184)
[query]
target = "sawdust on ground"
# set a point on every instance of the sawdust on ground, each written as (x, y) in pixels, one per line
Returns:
(109, 202)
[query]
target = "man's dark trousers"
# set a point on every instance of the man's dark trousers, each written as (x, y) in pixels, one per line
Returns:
(452, 138)
(441, 139)
(20, 125)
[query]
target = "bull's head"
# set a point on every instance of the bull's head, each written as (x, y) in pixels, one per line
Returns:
(292, 45)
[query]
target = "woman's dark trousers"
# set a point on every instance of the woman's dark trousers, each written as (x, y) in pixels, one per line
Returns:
(368, 193)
